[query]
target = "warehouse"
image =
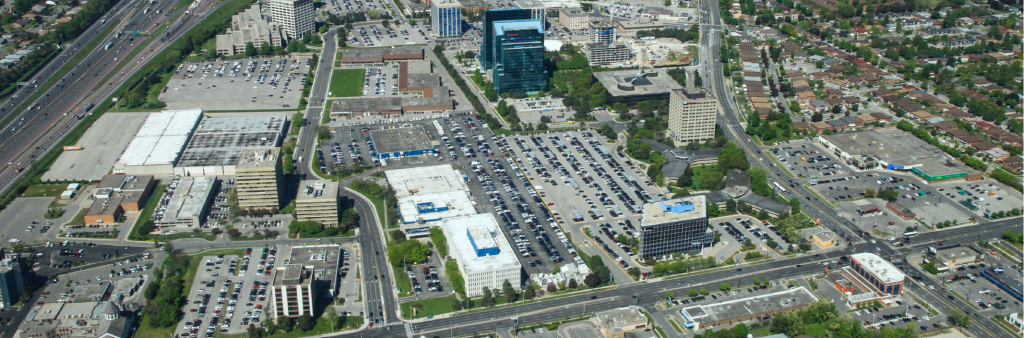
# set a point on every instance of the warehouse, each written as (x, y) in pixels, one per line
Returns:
(399, 142)
(185, 202)
(484, 256)
(217, 143)
(426, 180)
(421, 209)
(894, 149)
(158, 144)
(429, 194)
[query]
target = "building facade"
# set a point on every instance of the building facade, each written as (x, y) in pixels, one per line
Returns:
(292, 294)
(486, 56)
(249, 26)
(536, 8)
(882, 275)
(606, 53)
(518, 49)
(11, 282)
(691, 115)
(674, 226)
(446, 18)
(602, 32)
(484, 255)
(256, 179)
(573, 18)
(295, 16)
(318, 201)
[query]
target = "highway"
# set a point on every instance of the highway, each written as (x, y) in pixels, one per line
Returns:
(36, 130)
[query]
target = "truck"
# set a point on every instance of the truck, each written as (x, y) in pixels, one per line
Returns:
(70, 148)
(88, 106)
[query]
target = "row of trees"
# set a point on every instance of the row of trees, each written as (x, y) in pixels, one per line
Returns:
(492, 122)
(923, 134)
(166, 294)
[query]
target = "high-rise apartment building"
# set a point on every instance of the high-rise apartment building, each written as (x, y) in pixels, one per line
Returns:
(256, 178)
(446, 18)
(317, 201)
(675, 226)
(536, 8)
(295, 16)
(11, 282)
(518, 49)
(691, 115)
(490, 17)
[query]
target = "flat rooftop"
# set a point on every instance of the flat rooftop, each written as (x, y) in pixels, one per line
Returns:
(391, 104)
(882, 269)
(425, 180)
(484, 229)
(894, 146)
(320, 261)
(188, 198)
(677, 209)
(90, 293)
(389, 141)
(258, 158)
(621, 317)
(434, 207)
(725, 310)
(311, 190)
(161, 138)
(628, 83)
(218, 141)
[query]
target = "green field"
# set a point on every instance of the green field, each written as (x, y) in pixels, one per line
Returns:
(45, 190)
(347, 82)
(431, 306)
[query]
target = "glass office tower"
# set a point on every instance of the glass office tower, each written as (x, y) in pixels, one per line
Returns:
(486, 57)
(518, 49)
(675, 226)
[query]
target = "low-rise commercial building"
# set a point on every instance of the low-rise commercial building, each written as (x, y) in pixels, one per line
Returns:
(317, 201)
(632, 86)
(573, 18)
(879, 273)
(189, 202)
(744, 309)
(117, 194)
(616, 323)
(484, 256)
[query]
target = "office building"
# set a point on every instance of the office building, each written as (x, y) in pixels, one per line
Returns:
(536, 8)
(249, 26)
(602, 32)
(607, 53)
(518, 49)
(484, 256)
(295, 17)
(573, 18)
(93, 319)
(632, 86)
(317, 201)
(490, 17)
(256, 178)
(674, 226)
(189, 201)
(446, 18)
(616, 323)
(11, 282)
(691, 115)
(292, 294)
(117, 194)
(879, 273)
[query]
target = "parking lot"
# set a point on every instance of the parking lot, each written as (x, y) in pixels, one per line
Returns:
(986, 195)
(574, 182)
(428, 279)
(220, 280)
(257, 83)
(25, 222)
(376, 35)
(78, 283)
(762, 234)
(56, 257)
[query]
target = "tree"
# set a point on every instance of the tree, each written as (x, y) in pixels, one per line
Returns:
(669, 294)
(254, 332)
(869, 193)
(456, 304)
(795, 203)
(331, 315)
(889, 195)
(757, 280)
(398, 236)
(709, 179)
(553, 288)
(592, 280)
(693, 293)
(529, 293)
(488, 300)
(285, 323)
(959, 318)
(509, 292)
(730, 205)
(725, 286)
(704, 291)
(572, 284)
(305, 322)
(697, 80)
(250, 49)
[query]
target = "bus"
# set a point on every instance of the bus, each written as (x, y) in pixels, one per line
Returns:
(910, 234)
(688, 322)
(108, 46)
(779, 186)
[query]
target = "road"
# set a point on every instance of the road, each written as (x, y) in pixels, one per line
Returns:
(41, 128)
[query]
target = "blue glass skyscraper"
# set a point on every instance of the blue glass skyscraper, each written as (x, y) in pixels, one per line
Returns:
(491, 16)
(518, 51)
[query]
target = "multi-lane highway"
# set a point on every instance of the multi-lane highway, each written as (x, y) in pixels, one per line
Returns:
(35, 130)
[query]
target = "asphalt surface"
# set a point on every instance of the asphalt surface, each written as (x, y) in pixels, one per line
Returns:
(44, 126)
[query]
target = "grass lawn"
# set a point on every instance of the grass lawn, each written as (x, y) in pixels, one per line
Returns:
(44, 190)
(325, 116)
(431, 306)
(154, 200)
(347, 82)
(377, 204)
(402, 281)
(815, 330)
(322, 327)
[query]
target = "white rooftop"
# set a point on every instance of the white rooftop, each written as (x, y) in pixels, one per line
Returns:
(881, 268)
(161, 138)
(189, 197)
(484, 226)
(676, 209)
(425, 180)
(457, 202)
